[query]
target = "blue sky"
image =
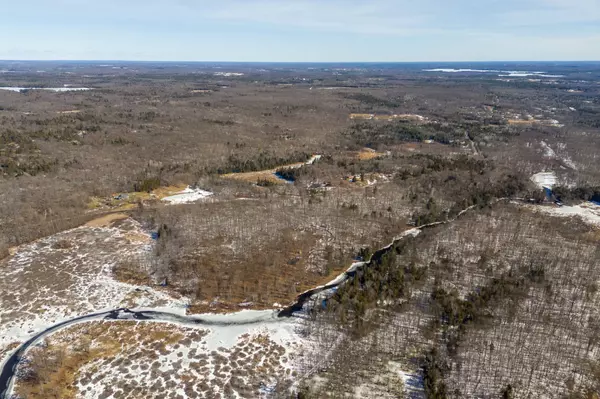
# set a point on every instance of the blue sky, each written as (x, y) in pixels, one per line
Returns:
(300, 30)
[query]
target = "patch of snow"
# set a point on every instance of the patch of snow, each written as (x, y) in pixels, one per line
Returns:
(228, 74)
(501, 73)
(520, 74)
(544, 179)
(554, 122)
(588, 211)
(569, 162)
(453, 70)
(516, 75)
(57, 284)
(55, 89)
(313, 159)
(548, 152)
(188, 195)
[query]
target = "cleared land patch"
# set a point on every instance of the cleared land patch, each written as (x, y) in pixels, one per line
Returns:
(70, 274)
(179, 193)
(129, 359)
(268, 176)
(366, 154)
(106, 220)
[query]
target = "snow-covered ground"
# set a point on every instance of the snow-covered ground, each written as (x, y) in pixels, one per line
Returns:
(228, 74)
(587, 211)
(544, 179)
(168, 360)
(55, 89)
(500, 73)
(561, 147)
(548, 151)
(69, 274)
(188, 195)
(313, 159)
(457, 70)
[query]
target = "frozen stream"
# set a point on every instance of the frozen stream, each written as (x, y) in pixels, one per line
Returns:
(244, 318)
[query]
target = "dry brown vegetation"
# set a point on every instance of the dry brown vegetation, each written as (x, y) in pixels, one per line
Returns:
(134, 360)
(502, 298)
(53, 369)
(280, 241)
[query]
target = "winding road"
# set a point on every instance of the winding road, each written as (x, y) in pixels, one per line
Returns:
(10, 365)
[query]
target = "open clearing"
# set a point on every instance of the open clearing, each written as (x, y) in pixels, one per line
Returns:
(531, 122)
(74, 111)
(70, 274)
(367, 154)
(55, 89)
(405, 117)
(176, 194)
(130, 359)
(268, 175)
(587, 211)
(105, 221)
(544, 179)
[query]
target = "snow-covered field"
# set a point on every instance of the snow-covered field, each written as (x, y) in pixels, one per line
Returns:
(132, 359)
(69, 274)
(501, 73)
(587, 211)
(228, 74)
(188, 195)
(55, 89)
(544, 179)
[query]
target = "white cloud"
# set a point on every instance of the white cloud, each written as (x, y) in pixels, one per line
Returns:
(549, 13)
(305, 30)
(376, 17)
(405, 17)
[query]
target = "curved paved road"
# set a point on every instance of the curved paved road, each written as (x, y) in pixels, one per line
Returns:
(9, 367)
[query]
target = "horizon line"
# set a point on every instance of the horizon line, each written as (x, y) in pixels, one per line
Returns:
(295, 62)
